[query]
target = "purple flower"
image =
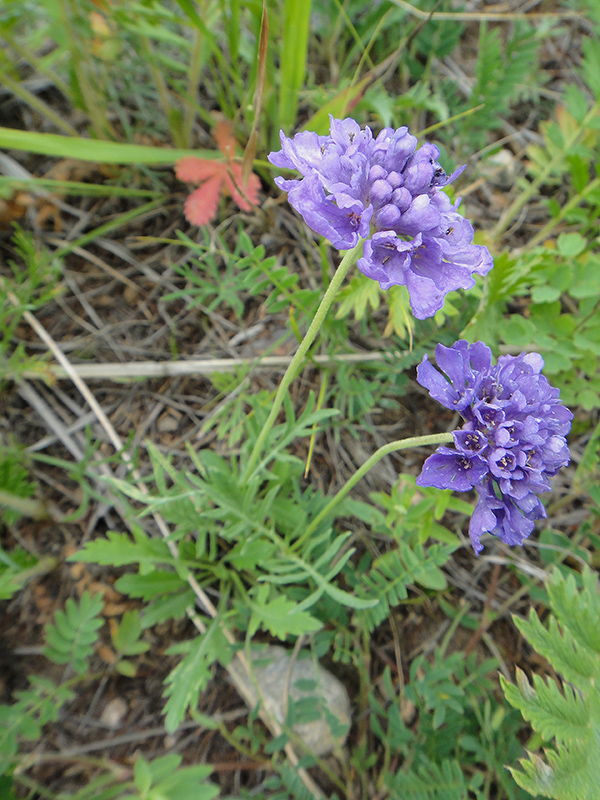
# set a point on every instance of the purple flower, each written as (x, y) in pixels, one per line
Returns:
(387, 191)
(512, 441)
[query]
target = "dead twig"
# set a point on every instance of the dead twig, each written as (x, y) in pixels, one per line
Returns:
(487, 16)
(200, 366)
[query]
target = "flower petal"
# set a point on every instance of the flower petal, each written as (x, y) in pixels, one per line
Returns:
(447, 469)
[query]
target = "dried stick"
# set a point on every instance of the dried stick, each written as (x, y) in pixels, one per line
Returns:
(481, 16)
(195, 366)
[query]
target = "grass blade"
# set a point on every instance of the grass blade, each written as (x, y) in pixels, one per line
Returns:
(101, 152)
(250, 150)
(294, 46)
(75, 188)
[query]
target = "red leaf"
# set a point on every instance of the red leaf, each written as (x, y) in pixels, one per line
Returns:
(201, 205)
(225, 138)
(192, 169)
(250, 193)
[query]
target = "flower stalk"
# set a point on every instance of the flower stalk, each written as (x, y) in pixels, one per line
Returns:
(386, 449)
(347, 261)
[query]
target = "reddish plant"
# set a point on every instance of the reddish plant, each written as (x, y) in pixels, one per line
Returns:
(216, 178)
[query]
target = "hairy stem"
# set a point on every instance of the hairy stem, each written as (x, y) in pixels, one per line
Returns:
(347, 261)
(392, 447)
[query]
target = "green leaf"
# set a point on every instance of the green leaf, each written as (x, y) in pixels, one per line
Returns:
(154, 584)
(296, 18)
(569, 713)
(6, 788)
(72, 638)
(281, 617)
(186, 783)
(118, 549)
(191, 675)
(571, 244)
(97, 150)
(25, 718)
(545, 294)
(126, 635)
(142, 775)
(391, 574)
(400, 318)
(429, 781)
(589, 465)
(357, 296)
(189, 9)
(126, 668)
(591, 64)
(165, 608)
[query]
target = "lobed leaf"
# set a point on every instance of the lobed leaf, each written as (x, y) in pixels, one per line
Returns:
(201, 206)
(191, 675)
(118, 549)
(72, 638)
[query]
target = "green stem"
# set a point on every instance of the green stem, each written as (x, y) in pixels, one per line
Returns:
(392, 447)
(195, 69)
(347, 261)
(24, 505)
(574, 202)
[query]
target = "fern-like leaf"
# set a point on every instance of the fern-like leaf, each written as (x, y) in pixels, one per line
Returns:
(578, 610)
(118, 549)
(71, 639)
(293, 783)
(25, 718)
(392, 573)
(504, 73)
(355, 298)
(430, 782)
(558, 645)
(564, 716)
(570, 714)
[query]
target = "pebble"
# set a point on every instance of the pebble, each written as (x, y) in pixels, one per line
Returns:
(274, 677)
(113, 713)
(168, 423)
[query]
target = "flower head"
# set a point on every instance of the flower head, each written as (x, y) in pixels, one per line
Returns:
(385, 190)
(512, 441)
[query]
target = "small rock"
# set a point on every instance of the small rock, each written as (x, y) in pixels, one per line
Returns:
(169, 422)
(113, 713)
(327, 697)
(501, 168)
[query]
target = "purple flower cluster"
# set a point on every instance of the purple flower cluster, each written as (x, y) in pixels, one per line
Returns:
(385, 190)
(512, 442)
